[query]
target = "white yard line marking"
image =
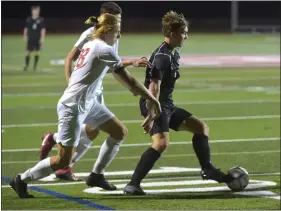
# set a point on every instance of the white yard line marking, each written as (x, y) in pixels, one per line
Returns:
(127, 180)
(117, 92)
(166, 156)
(116, 105)
(139, 121)
(108, 81)
(171, 143)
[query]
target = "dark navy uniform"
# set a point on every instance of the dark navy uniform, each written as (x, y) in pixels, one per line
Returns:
(34, 27)
(166, 69)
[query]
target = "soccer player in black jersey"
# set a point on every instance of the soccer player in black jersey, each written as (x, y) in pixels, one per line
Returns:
(160, 80)
(34, 33)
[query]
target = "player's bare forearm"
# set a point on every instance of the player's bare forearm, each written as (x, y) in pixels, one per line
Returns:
(43, 34)
(70, 58)
(154, 88)
(25, 33)
(127, 62)
(132, 84)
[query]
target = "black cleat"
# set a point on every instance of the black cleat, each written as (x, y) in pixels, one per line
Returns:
(133, 190)
(98, 180)
(216, 174)
(20, 187)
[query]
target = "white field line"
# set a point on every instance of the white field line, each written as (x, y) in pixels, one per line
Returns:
(139, 121)
(180, 81)
(118, 92)
(211, 102)
(166, 156)
(171, 143)
(127, 180)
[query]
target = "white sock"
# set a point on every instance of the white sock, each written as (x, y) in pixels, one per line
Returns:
(108, 151)
(55, 136)
(40, 170)
(83, 146)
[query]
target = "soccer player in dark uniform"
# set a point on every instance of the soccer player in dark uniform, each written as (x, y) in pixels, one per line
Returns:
(160, 80)
(34, 33)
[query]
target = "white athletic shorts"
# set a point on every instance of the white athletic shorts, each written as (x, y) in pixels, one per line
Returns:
(70, 121)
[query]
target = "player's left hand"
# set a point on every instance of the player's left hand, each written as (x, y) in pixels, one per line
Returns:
(42, 41)
(142, 62)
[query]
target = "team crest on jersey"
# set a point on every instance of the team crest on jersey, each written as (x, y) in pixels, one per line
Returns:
(34, 26)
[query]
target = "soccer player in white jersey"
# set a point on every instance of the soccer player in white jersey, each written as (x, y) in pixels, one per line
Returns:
(87, 134)
(78, 104)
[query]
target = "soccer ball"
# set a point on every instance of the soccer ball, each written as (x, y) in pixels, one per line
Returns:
(241, 179)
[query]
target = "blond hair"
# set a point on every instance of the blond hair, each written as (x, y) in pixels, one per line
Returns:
(172, 22)
(104, 23)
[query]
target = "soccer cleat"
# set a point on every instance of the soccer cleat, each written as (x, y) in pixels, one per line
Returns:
(20, 187)
(48, 143)
(133, 190)
(98, 180)
(66, 174)
(216, 174)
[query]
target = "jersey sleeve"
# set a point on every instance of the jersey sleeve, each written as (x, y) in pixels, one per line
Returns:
(160, 64)
(26, 23)
(111, 58)
(43, 24)
(83, 38)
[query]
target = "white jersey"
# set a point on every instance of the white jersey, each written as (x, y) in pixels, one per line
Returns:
(90, 68)
(83, 39)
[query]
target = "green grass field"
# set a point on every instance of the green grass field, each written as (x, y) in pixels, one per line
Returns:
(240, 105)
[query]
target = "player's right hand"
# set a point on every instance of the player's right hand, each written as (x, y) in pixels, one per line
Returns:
(154, 111)
(143, 62)
(25, 38)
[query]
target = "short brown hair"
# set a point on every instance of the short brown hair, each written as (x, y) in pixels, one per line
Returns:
(111, 8)
(172, 22)
(35, 7)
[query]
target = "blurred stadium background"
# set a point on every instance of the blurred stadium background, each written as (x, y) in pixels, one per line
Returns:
(230, 77)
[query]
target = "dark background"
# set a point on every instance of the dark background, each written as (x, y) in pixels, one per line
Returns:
(204, 16)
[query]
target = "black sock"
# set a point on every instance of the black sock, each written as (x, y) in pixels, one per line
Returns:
(202, 150)
(148, 158)
(36, 58)
(27, 58)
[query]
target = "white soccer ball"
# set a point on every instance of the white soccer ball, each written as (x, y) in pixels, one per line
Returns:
(241, 179)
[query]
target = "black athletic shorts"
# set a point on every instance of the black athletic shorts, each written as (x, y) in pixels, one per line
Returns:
(171, 117)
(33, 45)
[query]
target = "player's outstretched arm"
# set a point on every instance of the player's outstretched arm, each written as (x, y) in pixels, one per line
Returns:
(142, 62)
(71, 57)
(132, 84)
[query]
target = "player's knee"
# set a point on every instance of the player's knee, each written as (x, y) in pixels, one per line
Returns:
(63, 161)
(204, 129)
(92, 133)
(161, 144)
(120, 134)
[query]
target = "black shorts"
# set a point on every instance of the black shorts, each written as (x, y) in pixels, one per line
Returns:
(170, 118)
(33, 45)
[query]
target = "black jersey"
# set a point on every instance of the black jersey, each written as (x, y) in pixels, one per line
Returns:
(165, 68)
(34, 27)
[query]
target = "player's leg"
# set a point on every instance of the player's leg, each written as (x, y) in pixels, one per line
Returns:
(68, 132)
(160, 139)
(107, 122)
(88, 134)
(37, 48)
(146, 163)
(182, 120)
(27, 56)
